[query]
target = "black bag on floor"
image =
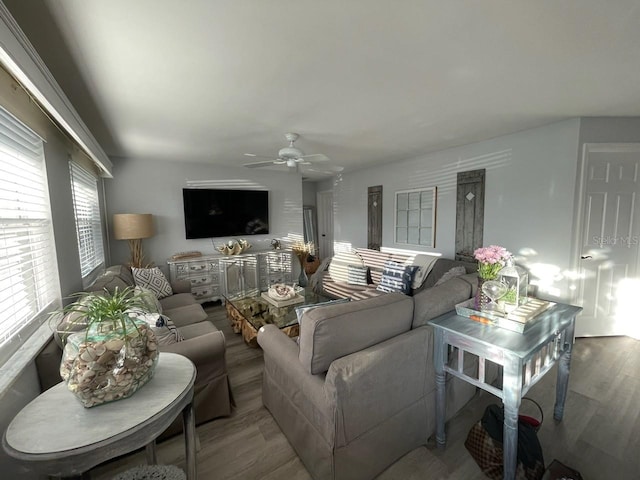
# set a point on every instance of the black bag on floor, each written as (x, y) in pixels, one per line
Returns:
(559, 471)
(484, 443)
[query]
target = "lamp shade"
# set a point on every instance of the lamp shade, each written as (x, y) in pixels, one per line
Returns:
(132, 226)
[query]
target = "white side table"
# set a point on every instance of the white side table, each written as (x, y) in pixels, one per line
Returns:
(525, 359)
(55, 435)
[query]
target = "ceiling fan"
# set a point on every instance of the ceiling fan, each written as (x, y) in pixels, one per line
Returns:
(290, 156)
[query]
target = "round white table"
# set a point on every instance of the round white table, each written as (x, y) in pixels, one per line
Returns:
(55, 435)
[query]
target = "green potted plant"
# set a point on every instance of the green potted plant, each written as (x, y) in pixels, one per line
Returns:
(108, 350)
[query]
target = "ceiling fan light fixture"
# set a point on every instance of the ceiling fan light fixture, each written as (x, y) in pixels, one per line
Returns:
(291, 163)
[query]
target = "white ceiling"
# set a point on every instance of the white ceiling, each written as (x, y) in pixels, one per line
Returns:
(362, 81)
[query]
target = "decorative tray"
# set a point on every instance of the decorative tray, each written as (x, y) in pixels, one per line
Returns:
(519, 320)
(282, 303)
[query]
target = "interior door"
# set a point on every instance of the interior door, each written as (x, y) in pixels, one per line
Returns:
(325, 223)
(469, 214)
(609, 229)
(374, 217)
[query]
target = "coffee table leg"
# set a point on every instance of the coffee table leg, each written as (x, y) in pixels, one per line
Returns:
(189, 422)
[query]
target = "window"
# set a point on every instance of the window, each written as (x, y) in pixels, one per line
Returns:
(86, 207)
(28, 269)
(416, 217)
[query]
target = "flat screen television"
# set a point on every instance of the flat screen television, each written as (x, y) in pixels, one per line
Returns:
(225, 213)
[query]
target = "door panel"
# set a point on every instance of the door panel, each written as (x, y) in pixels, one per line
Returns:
(608, 268)
(469, 213)
(374, 217)
(325, 224)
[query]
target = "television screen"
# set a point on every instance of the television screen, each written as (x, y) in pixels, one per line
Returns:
(225, 213)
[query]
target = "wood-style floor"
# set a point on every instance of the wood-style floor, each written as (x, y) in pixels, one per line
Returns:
(599, 436)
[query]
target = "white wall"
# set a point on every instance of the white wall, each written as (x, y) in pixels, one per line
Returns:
(144, 186)
(530, 180)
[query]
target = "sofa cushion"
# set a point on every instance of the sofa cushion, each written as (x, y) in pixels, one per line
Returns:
(397, 277)
(186, 315)
(337, 330)
(453, 272)
(357, 275)
(375, 260)
(177, 300)
(151, 302)
(338, 268)
(153, 279)
(117, 276)
(443, 265)
(164, 329)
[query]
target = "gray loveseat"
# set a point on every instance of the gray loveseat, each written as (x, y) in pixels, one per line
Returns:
(203, 344)
(357, 391)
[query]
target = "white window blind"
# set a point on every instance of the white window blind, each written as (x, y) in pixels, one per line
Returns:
(86, 206)
(28, 268)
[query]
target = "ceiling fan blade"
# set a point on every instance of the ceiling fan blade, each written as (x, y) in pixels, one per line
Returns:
(252, 155)
(317, 157)
(258, 164)
(279, 161)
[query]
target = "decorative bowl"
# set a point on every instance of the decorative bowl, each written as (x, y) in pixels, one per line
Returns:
(234, 247)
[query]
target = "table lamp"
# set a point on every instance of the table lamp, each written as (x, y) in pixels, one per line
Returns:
(133, 227)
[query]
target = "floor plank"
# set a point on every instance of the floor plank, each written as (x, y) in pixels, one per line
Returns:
(600, 432)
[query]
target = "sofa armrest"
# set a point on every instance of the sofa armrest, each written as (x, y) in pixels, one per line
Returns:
(181, 286)
(207, 352)
(435, 301)
(372, 385)
(281, 361)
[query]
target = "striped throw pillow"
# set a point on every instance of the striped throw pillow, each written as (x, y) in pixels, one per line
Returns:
(396, 277)
(357, 275)
(338, 268)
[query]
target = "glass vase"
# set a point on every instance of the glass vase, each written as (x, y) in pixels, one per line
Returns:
(481, 299)
(107, 363)
(303, 280)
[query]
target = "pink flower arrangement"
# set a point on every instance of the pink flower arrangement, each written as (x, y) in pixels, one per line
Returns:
(491, 259)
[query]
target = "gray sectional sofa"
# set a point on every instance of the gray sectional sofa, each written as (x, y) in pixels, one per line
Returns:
(356, 391)
(203, 344)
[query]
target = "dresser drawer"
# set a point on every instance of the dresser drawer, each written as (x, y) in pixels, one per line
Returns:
(200, 280)
(202, 292)
(195, 267)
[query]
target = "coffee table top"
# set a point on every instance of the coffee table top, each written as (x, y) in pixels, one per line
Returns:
(258, 311)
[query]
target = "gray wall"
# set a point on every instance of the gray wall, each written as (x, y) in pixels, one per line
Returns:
(144, 186)
(309, 191)
(528, 204)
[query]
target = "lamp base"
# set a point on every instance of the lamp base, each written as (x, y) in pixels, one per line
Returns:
(137, 255)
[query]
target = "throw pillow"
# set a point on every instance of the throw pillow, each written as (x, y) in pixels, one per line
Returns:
(425, 264)
(452, 273)
(149, 299)
(153, 279)
(357, 275)
(164, 329)
(338, 268)
(396, 278)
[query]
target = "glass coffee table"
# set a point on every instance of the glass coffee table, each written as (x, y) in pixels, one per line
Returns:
(247, 314)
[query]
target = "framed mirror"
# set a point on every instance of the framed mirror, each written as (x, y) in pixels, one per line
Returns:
(415, 217)
(309, 224)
